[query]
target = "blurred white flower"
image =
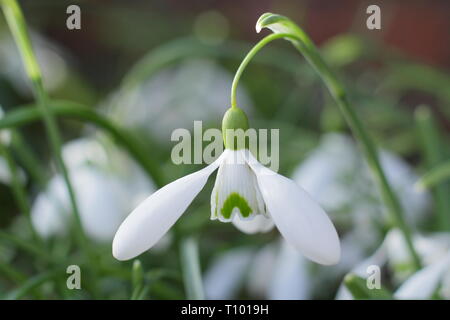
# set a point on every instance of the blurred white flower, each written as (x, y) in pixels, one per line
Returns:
(337, 175)
(175, 97)
(5, 172)
(5, 134)
(277, 272)
(244, 189)
(218, 287)
(107, 184)
(435, 278)
(48, 55)
(430, 248)
(290, 278)
(393, 253)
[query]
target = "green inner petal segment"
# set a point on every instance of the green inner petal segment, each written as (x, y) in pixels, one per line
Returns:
(235, 200)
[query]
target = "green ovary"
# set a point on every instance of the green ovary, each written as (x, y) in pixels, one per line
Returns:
(235, 200)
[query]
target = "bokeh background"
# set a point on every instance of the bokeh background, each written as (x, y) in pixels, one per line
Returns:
(153, 66)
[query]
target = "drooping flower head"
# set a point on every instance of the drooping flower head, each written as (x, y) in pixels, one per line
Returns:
(246, 193)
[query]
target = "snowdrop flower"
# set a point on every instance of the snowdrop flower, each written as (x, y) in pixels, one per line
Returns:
(393, 253)
(99, 210)
(244, 190)
(104, 181)
(424, 283)
(218, 287)
(278, 272)
(337, 175)
(50, 57)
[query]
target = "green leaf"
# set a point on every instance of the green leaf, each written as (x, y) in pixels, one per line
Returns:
(432, 151)
(30, 113)
(435, 176)
(359, 290)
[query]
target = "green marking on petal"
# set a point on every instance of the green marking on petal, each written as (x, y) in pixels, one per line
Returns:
(235, 200)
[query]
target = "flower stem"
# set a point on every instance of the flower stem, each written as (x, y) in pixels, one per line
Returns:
(33, 283)
(248, 58)
(18, 190)
(28, 159)
(17, 25)
(435, 176)
(432, 151)
(285, 28)
(191, 269)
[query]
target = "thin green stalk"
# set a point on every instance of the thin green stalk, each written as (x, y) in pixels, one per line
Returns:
(33, 283)
(248, 58)
(27, 114)
(438, 174)
(190, 47)
(9, 272)
(28, 159)
(137, 279)
(432, 151)
(190, 263)
(28, 246)
(18, 190)
(17, 25)
(287, 29)
(143, 293)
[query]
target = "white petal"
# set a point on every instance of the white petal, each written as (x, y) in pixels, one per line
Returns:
(301, 221)
(156, 214)
(236, 192)
(259, 223)
(423, 283)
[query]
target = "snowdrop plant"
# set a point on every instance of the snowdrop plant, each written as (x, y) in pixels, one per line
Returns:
(107, 184)
(277, 271)
(433, 250)
(244, 190)
(432, 281)
(338, 177)
(167, 98)
(247, 190)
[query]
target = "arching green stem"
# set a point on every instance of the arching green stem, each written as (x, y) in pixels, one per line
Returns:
(248, 58)
(285, 28)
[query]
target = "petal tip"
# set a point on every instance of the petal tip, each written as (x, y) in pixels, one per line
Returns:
(119, 252)
(332, 260)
